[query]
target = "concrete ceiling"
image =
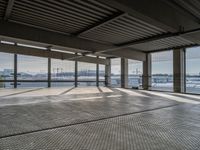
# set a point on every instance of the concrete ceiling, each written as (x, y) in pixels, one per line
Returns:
(119, 28)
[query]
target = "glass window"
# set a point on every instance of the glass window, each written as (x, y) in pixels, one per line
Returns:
(86, 74)
(162, 71)
(193, 70)
(6, 84)
(135, 71)
(116, 72)
(32, 68)
(61, 84)
(31, 84)
(6, 66)
(62, 70)
(6, 70)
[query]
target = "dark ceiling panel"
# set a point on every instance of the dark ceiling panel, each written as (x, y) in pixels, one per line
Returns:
(3, 5)
(165, 43)
(123, 29)
(191, 6)
(98, 21)
(67, 16)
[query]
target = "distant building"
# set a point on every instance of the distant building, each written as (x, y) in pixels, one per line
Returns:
(8, 72)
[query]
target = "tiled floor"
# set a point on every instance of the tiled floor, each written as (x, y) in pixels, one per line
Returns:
(98, 119)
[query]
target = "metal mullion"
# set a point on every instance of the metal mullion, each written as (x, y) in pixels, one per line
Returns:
(15, 70)
(49, 70)
(76, 73)
(97, 73)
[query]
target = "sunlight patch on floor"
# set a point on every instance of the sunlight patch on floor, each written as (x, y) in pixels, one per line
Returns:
(187, 95)
(171, 97)
(88, 90)
(131, 92)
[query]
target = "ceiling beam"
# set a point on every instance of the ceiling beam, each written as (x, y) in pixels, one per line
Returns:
(30, 34)
(131, 43)
(174, 3)
(99, 24)
(178, 47)
(33, 36)
(153, 38)
(9, 9)
(157, 13)
(128, 53)
(47, 54)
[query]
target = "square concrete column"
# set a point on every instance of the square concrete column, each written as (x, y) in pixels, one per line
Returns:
(179, 70)
(146, 78)
(124, 73)
(108, 73)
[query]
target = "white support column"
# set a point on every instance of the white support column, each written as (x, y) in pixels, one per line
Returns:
(146, 78)
(108, 73)
(179, 70)
(124, 73)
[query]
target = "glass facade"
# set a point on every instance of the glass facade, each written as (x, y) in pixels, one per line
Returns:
(86, 74)
(6, 70)
(162, 71)
(30, 68)
(62, 70)
(193, 70)
(6, 84)
(6, 66)
(61, 84)
(31, 84)
(116, 72)
(33, 72)
(135, 71)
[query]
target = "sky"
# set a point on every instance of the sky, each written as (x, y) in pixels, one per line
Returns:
(115, 66)
(6, 61)
(162, 62)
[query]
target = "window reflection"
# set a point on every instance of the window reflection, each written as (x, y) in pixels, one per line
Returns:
(162, 71)
(86, 74)
(6, 70)
(135, 71)
(116, 72)
(6, 66)
(62, 70)
(193, 70)
(31, 68)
